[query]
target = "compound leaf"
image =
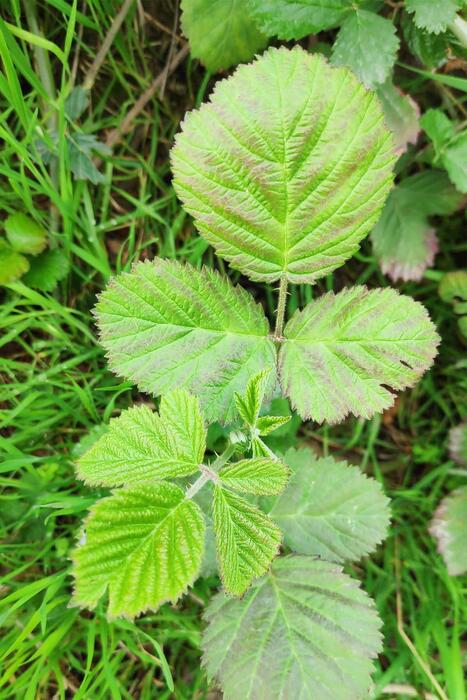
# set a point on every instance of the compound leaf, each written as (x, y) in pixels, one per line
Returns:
(140, 446)
(144, 545)
(221, 34)
(401, 113)
(24, 234)
(290, 178)
(330, 509)
(259, 475)
(12, 264)
(249, 404)
(247, 540)
(449, 528)
(47, 270)
(433, 15)
(167, 325)
(368, 44)
(343, 351)
(294, 19)
(404, 240)
(306, 630)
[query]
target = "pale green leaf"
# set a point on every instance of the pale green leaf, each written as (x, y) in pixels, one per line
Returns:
(247, 540)
(221, 34)
(260, 476)
(404, 240)
(166, 325)
(287, 179)
(439, 128)
(24, 234)
(140, 446)
(330, 509)
(368, 44)
(12, 264)
(47, 270)
(454, 160)
(401, 113)
(344, 352)
(260, 449)
(249, 404)
(268, 424)
(144, 545)
(294, 19)
(433, 15)
(449, 528)
(306, 631)
(458, 443)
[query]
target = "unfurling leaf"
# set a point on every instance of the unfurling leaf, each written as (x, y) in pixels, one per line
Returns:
(285, 180)
(458, 443)
(268, 424)
(433, 15)
(330, 509)
(259, 476)
(144, 545)
(12, 264)
(47, 270)
(221, 34)
(249, 404)
(343, 351)
(247, 540)
(294, 19)
(368, 44)
(404, 240)
(141, 446)
(305, 630)
(167, 325)
(25, 235)
(401, 113)
(449, 528)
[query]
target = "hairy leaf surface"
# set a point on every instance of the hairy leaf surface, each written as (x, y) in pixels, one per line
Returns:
(401, 113)
(294, 19)
(287, 179)
(144, 545)
(330, 509)
(343, 351)
(166, 325)
(449, 528)
(306, 630)
(140, 446)
(221, 33)
(433, 15)
(249, 404)
(247, 540)
(404, 240)
(259, 475)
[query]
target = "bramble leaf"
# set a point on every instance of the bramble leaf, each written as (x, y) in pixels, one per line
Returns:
(290, 178)
(259, 476)
(449, 528)
(404, 240)
(140, 446)
(305, 630)
(268, 424)
(247, 540)
(401, 113)
(343, 351)
(330, 509)
(144, 545)
(166, 325)
(47, 270)
(453, 290)
(294, 19)
(458, 443)
(221, 34)
(433, 15)
(12, 264)
(24, 234)
(249, 404)
(368, 44)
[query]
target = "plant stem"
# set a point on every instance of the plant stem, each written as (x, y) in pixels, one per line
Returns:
(459, 28)
(209, 473)
(280, 313)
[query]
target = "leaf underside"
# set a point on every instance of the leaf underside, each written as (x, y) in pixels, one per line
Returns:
(165, 325)
(449, 528)
(306, 630)
(343, 351)
(330, 509)
(247, 540)
(144, 545)
(289, 179)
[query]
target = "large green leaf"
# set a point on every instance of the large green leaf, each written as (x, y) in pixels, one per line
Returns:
(368, 44)
(330, 509)
(166, 325)
(294, 19)
(343, 351)
(260, 475)
(433, 15)
(144, 545)
(306, 631)
(288, 179)
(449, 527)
(221, 33)
(140, 446)
(247, 540)
(404, 240)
